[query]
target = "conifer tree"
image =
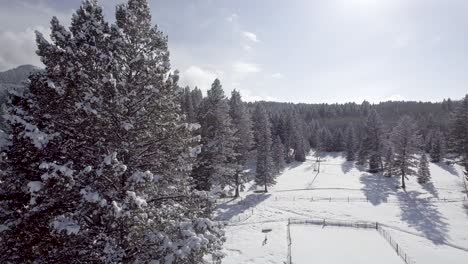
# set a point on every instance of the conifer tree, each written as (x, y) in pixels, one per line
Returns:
(338, 141)
(406, 143)
(424, 173)
(372, 144)
(389, 164)
(264, 174)
(216, 164)
(350, 144)
(197, 98)
(437, 151)
(98, 169)
(187, 105)
(459, 133)
(243, 133)
(278, 155)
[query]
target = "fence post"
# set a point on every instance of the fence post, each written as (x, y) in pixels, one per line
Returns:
(376, 225)
(289, 260)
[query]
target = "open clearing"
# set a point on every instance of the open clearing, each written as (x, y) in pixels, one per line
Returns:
(429, 222)
(337, 245)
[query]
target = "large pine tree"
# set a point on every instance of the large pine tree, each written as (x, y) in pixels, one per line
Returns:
(424, 174)
(264, 173)
(277, 150)
(437, 150)
(243, 134)
(406, 144)
(459, 133)
(216, 164)
(98, 169)
(350, 144)
(372, 144)
(389, 164)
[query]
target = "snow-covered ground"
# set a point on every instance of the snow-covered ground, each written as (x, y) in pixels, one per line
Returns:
(316, 244)
(429, 222)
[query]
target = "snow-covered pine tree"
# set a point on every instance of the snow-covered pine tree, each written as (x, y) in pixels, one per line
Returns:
(424, 173)
(98, 167)
(437, 151)
(350, 144)
(338, 140)
(459, 133)
(283, 132)
(197, 98)
(187, 105)
(277, 150)
(389, 164)
(264, 174)
(372, 144)
(300, 144)
(326, 140)
(406, 144)
(295, 138)
(216, 164)
(243, 132)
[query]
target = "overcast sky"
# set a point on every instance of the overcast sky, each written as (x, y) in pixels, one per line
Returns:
(295, 51)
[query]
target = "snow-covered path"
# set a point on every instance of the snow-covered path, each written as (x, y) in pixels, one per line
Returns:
(430, 222)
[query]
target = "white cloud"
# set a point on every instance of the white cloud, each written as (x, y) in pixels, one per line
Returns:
(250, 36)
(244, 67)
(247, 47)
(277, 76)
(19, 48)
(393, 97)
(233, 17)
(247, 96)
(196, 76)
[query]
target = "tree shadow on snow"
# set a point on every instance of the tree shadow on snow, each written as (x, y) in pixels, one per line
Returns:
(229, 209)
(465, 206)
(292, 165)
(429, 187)
(347, 166)
(447, 167)
(424, 216)
(378, 188)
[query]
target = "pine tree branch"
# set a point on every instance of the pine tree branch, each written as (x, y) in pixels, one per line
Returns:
(163, 198)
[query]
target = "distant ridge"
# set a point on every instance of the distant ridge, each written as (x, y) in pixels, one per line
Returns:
(18, 74)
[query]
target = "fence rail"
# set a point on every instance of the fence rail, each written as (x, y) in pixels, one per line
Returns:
(364, 199)
(325, 222)
(395, 245)
(354, 224)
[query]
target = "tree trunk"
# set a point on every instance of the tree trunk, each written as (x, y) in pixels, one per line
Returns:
(237, 186)
(403, 181)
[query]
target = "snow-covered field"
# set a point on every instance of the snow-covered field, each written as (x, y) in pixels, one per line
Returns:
(429, 222)
(316, 244)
